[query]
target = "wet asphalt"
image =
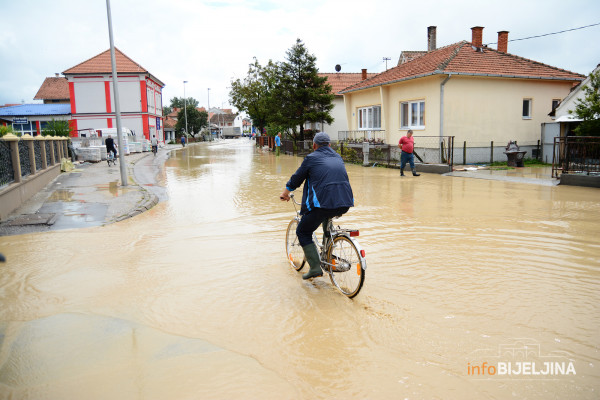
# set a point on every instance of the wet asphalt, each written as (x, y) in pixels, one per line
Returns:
(92, 195)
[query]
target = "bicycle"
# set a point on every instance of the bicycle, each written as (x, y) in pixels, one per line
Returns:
(154, 149)
(341, 256)
(110, 158)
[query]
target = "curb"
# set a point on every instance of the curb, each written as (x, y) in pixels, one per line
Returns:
(148, 201)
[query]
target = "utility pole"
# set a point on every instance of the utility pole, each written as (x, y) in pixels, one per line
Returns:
(185, 108)
(209, 132)
(386, 59)
(116, 94)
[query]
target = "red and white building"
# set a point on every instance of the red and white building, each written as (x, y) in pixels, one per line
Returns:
(92, 97)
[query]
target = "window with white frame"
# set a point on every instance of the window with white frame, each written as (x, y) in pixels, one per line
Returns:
(527, 108)
(369, 117)
(412, 114)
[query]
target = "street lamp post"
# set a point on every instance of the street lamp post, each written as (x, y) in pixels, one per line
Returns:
(185, 107)
(115, 80)
(209, 132)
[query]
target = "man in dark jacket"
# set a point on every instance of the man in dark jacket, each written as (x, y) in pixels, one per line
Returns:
(110, 146)
(326, 194)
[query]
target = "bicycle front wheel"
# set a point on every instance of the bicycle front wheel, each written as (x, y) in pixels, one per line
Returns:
(347, 269)
(294, 252)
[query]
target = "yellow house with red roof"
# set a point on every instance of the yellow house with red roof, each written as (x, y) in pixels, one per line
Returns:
(466, 90)
(92, 99)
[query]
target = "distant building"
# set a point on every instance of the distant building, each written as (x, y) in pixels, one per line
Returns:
(338, 81)
(54, 90)
(92, 99)
(33, 118)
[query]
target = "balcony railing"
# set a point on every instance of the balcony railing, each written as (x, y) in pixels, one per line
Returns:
(373, 136)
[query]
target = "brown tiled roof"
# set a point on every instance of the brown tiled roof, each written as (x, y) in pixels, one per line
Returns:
(54, 88)
(169, 123)
(340, 81)
(220, 118)
(463, 59)
(102, 64)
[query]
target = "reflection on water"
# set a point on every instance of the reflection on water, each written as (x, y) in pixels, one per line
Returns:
(194, 297)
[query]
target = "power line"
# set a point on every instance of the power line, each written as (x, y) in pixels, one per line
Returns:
(548, 34)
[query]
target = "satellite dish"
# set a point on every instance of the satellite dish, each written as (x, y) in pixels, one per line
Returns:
(338, 68)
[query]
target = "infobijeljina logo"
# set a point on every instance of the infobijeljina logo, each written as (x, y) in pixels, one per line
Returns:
(519, 359)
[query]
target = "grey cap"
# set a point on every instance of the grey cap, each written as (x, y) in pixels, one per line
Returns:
(321, 139)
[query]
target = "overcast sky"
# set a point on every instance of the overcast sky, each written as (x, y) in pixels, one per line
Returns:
(209, 43)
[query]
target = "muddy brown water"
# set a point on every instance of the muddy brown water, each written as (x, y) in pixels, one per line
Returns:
(194, 299)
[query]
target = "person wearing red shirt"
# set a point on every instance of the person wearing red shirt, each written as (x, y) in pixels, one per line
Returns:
(407, 145)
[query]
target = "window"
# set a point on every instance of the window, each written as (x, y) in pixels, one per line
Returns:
(555, 103)
(412, 114)
(369, 117)
(527, 108)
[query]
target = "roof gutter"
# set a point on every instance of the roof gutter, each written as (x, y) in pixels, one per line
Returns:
(438, 72)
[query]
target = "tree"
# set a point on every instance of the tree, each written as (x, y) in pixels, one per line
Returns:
(196, 120)
(167, 110)
(178, 102)
(303, 95)
(588, 108)
(57, 128)
(255, 93)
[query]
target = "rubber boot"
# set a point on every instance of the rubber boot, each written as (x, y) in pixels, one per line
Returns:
(414, 171)
(401, 171)
(314, 261)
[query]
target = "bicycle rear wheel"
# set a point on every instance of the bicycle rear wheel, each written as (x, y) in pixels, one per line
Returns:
(294, 252)
(347, 270)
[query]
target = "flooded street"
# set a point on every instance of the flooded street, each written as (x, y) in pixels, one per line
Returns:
(195, 299)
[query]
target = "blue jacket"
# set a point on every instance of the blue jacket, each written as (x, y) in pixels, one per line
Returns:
(327, 185)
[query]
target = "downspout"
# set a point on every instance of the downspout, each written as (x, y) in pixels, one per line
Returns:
(442, 113)
(442, 104)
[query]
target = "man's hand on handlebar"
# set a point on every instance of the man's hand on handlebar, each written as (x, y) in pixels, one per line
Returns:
(285, 196)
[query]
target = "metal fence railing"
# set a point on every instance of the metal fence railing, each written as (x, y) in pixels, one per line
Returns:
(32, 155)
(576, 154)
(428, 149)
(467, 152)
(373, 136)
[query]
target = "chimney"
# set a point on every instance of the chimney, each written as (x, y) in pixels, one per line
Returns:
(503, 41)
(57, 74)
(431, 33)
(364, 74)
(477, 36)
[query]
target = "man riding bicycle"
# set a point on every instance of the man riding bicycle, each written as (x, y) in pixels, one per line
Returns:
(327, 193)
(154, 144)
(110, 146)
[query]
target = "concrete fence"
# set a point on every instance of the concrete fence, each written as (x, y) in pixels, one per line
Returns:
(27, 165)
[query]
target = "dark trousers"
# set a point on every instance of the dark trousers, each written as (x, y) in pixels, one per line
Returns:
(407, 157)
(114, 151)
(311, 221)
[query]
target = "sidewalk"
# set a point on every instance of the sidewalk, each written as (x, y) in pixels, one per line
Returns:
(91, 195)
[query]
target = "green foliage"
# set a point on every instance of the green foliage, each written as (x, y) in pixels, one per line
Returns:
(255, 93)
(376, 154)
(167, 110)
(180, 102)
(7, 129)
(57, 128)
(350, 155)
(588, 108)
(286, 95)
(196, 120)
(274, 129)
(302, 94)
